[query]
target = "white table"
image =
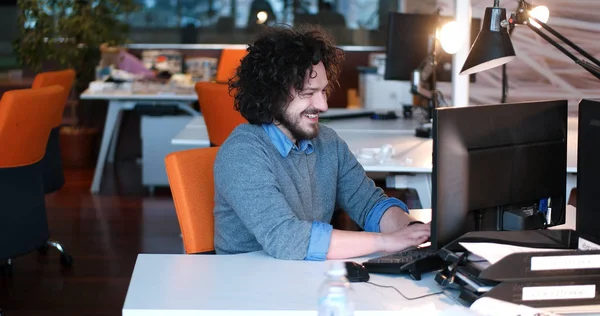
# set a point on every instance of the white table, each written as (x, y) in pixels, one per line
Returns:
(119, 101)
(194, 134)
(257, 284)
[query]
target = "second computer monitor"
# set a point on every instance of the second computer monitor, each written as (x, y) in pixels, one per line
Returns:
(498, 167)
(588, 171)
(408, 42)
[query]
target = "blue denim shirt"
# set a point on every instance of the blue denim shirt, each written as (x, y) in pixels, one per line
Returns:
(320, 236)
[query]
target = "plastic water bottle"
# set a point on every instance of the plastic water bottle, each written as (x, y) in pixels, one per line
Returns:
(335, 294)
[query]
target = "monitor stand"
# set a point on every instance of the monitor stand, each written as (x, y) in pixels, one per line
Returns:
(424, 131)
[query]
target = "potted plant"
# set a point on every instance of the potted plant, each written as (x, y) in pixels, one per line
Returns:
(68, 34)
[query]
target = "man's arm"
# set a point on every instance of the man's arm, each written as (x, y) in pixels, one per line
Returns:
(328, 243)
(348, 244)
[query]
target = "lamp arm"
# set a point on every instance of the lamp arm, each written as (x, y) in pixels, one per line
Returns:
(567, 41)
(590, 67)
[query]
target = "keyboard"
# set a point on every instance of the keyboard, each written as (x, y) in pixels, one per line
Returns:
(413, 261)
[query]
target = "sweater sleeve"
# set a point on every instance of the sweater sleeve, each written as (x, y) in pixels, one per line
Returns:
(320, 238)
(357, 194)
(375, 215)
(243, 177)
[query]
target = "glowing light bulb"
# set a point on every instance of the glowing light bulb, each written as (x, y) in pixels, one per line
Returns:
(261, 17)
(541, 13)
(451, 37)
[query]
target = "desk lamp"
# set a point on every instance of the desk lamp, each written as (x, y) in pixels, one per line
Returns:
(493, 46)
(449, 37)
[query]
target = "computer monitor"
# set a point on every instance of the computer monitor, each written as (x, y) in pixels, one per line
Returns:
(408, 42)
(498, 167)
(588, 171)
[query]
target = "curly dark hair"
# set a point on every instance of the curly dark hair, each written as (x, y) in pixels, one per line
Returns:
(278, 61)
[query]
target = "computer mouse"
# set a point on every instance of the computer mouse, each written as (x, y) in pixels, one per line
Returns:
(356, 272)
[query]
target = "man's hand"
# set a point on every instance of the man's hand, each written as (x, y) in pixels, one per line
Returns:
(409, 236)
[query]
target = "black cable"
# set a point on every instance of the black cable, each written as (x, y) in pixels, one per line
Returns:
(406, 297)
(476, 261)
(442, 99)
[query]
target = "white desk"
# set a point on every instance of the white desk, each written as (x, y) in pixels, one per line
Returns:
(194, 134)
(119, 101)
(257, 284)
(398, 126)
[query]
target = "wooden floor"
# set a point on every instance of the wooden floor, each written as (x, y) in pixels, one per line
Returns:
(104, 233)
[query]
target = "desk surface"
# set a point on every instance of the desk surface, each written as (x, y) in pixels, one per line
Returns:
(130, 96)
(399, 126)
(257, 284)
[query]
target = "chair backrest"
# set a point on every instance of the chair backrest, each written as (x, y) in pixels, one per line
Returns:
(190, 174)
(228, 63)
(26, 118)
(216, 106)
(63, 78)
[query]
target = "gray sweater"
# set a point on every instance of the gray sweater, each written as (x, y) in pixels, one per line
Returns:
(266, 201)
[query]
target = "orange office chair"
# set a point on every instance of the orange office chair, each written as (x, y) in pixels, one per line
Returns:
(54, 177)
(216, 106)
(228, 63)
(190, 174)
(26, 118)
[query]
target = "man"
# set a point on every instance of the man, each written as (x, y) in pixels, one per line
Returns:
(279, 179)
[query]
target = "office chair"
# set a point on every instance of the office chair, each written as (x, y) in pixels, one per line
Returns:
(190, 174)
(54, 178)
(26, 118)
(217, 109)
(228, 62)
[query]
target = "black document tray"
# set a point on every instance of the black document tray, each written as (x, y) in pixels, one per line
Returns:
(518, 267)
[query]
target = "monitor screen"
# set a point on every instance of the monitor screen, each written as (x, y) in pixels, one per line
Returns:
(498, 167)
(588, 170)
(408, 42)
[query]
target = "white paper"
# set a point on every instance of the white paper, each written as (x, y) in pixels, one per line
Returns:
(487, 306)
(587, 245)
(493, 252)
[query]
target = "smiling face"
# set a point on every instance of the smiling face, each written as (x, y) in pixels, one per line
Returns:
(301, 118)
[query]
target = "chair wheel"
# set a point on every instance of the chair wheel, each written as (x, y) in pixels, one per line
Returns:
(66, 260)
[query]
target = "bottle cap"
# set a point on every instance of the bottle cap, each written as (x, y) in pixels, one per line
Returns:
(337, 268)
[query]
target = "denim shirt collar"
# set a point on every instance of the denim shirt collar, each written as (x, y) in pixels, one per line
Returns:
(283, 144)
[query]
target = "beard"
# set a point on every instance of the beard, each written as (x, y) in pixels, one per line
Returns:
(293, 125)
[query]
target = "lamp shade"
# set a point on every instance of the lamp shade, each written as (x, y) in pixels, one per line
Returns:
(492, 47)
